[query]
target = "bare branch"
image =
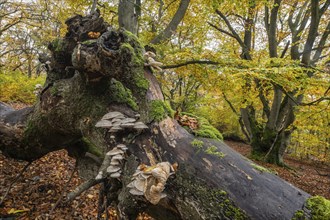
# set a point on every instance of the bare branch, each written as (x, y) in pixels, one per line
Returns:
(189, 63)
(230, 27)
(222, 30)
(14, 181)
(83, 187)
(285, 49)
(64, 189)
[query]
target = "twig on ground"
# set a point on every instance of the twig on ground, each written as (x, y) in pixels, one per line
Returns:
(14, 181)
(64, 190)
(100, 202)
(81, 188)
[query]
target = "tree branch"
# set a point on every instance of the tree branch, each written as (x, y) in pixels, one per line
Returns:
(222, 31)
(189, 63)
(230, 27)
(172, 26)
(241, 123)
(83, 187)
(14, 181)
(285, 49)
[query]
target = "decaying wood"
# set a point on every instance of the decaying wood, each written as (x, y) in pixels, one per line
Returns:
(84, 83)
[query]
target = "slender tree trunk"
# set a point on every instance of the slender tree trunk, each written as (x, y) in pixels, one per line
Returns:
(173, 25)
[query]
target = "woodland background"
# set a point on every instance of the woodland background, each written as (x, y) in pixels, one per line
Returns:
(206, 71)
(210, 91)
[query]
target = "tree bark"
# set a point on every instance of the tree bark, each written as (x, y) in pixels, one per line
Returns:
(173, 25)
(128, 14)
(90, 77)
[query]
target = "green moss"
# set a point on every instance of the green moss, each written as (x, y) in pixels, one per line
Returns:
(89, 42)
(320, 208)
(158, 110)
(205, 128)
(57, 44)
(121, 94)
(215, 201)
(197, 144)
(134, 67)
(141, 83)
(213, 150)
(299, 215)
(169, 109)
(54, 90)
(91, 148)
(260, 168)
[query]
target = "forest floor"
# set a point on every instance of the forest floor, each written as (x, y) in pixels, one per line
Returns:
(46, 181)
(36, 192)
(310, 176)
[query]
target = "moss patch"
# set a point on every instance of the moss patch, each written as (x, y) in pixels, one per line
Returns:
(299, 215)
(89, 42)
(121, 94)
(210, 150)
(213, 150)
(205, 128)
(197, 144)
(320, 208)
(159, 110)
(134, 71)
(260, 168)
(91, 148)
(215, 203)
(57, 45)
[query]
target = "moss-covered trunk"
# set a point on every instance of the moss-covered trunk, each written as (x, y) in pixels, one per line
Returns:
(96, 70)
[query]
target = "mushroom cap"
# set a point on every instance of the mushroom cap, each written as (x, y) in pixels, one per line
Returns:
(103, 124)
(131, 185)
(122, 146)
(137, 173)
(115, 175)
(140, 125)
(127, 125)
(115, 129)
(112, 169)
(114, 162)
(111, 115)
(117, 124)
(135, 192)
(115, 151)
(128, 120)
(116, 120)
(117, 157)
(99, 175)
(139, 184)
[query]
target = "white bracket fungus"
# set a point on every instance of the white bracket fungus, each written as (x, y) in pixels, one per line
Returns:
(150, 181)
(112, 163)
(116, 121)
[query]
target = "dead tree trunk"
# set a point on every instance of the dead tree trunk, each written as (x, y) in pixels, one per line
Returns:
(96, 70)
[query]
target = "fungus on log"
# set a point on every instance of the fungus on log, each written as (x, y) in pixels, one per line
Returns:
(91, 76)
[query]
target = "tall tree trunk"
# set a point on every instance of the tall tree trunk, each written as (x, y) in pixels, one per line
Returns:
(173, 25)
(128, 14)
(89, 78)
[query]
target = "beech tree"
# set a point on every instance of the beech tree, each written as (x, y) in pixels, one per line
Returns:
(305, 22)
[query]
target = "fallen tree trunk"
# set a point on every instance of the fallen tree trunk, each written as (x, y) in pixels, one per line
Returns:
(96, 70)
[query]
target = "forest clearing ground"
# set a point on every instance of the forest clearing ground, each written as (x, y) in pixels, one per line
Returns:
(312, 177)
